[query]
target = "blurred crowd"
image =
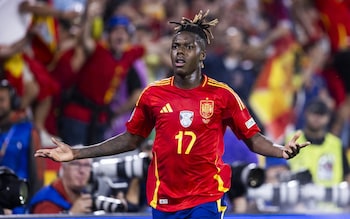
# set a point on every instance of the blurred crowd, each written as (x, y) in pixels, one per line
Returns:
(78, 67)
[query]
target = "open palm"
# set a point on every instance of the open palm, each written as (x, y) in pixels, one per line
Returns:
(62, 152)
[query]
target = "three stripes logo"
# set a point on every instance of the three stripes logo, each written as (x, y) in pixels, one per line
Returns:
(166, 109)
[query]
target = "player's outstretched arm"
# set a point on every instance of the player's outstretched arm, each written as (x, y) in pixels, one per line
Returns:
(115, 145)
(261, 145)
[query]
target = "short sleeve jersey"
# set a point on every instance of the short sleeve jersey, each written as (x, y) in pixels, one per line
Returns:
(187, 169)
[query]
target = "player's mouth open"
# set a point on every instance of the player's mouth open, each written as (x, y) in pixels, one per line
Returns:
(180, 62)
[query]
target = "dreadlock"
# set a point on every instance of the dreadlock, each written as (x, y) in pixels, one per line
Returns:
(198, 26)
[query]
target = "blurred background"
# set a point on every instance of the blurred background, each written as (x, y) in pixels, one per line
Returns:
(75, 68)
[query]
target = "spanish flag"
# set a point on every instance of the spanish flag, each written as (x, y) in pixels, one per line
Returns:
(273, 93)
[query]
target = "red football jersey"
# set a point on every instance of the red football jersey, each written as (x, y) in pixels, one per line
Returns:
(187, 169)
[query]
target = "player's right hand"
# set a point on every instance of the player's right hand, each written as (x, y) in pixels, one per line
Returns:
(292, 148)
(62, 152)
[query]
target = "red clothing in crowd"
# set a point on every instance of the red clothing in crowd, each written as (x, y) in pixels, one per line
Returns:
(335, 19)
(98, 79)
(48, 207)
(47, 85)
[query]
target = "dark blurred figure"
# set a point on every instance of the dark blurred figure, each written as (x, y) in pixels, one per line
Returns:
(328, 164)
(335, 20)
(19, 139)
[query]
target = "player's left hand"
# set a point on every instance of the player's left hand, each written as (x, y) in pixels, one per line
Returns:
(292, 148)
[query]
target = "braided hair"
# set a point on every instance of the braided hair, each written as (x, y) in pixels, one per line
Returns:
(198, 25)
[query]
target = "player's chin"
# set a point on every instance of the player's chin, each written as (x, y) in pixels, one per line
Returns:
(180, 71)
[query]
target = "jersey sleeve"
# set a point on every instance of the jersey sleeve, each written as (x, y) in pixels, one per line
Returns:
(142, 120)
(238, 117)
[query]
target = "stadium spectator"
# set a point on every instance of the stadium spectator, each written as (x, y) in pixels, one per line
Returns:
(67, 194)
(85, 113)
(22, 63)
(18, 139)
(328, 164)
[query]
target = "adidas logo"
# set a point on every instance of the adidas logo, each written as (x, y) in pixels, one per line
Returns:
(166, 109)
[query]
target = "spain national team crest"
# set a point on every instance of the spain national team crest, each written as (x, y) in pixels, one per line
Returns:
(206, 110)
(186, 118)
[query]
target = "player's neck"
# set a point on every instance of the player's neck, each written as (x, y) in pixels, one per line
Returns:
(188, 81)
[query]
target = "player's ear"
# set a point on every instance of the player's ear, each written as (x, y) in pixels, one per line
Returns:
(202, 55)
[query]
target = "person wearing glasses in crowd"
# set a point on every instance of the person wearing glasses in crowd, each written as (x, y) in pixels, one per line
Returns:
(67, 194)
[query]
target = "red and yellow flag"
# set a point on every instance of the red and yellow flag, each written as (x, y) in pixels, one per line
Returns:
(272, 95)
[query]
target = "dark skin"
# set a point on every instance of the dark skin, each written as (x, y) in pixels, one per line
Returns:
(187, 52)
(186, 55)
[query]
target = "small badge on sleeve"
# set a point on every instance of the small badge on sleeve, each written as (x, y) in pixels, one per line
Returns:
(250, 123)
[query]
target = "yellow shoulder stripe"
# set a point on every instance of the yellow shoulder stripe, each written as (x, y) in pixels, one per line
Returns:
(161, 82)
(215, 83)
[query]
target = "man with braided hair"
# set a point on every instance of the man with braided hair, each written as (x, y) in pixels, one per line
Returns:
(190, 112)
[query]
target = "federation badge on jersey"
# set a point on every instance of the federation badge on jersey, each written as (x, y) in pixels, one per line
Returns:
(206, 110)
(186, 118)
